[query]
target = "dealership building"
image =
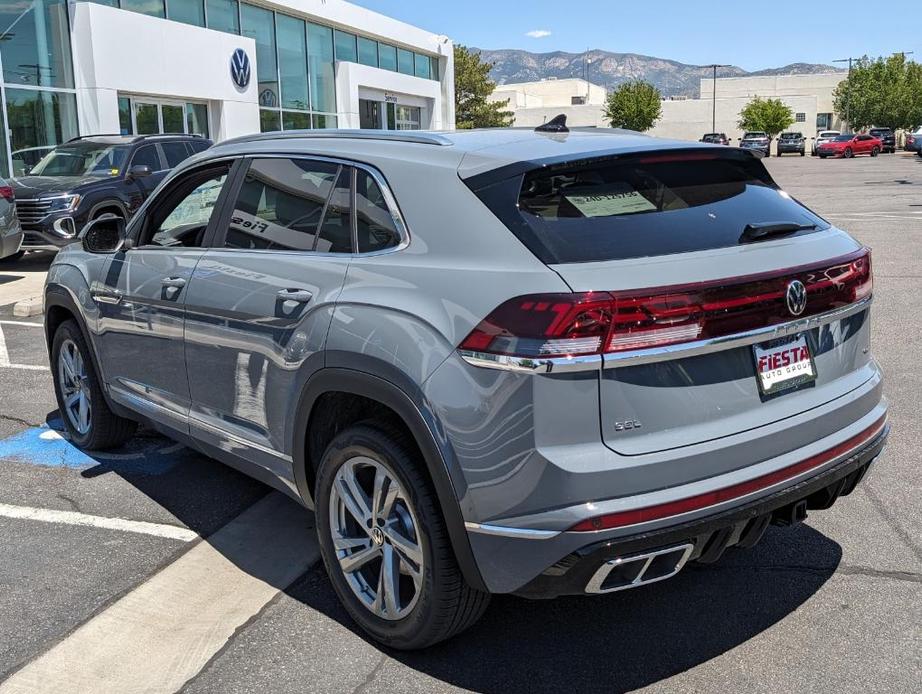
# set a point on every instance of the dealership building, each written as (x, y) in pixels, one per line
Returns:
(217, 68)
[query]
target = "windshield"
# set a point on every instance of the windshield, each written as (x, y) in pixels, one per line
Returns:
(880, 132)
(843, 138)
(82, 159)
(829, 134)
(790, 136)
(749, 136)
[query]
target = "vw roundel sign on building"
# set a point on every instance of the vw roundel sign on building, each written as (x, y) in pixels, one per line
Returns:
(240, 69)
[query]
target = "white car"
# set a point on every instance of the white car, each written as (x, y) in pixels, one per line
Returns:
(822, 137)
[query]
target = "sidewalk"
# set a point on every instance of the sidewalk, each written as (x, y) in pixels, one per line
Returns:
(23, 279)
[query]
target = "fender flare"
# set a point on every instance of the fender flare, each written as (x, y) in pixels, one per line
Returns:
(108, 202)
(412, 411)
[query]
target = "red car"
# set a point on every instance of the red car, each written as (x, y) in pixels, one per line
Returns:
(849, 146)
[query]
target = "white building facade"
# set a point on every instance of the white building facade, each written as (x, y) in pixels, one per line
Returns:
(81, 67)
(810, 98)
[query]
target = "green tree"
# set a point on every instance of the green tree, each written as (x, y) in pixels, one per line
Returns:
(770, 116)
(882, 92)
(635, 106)
(472, 87)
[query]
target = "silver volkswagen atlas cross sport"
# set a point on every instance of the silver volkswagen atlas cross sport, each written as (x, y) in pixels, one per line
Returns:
(542, 363)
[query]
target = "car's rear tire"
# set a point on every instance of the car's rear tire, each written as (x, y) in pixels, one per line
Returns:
(87, 418)
(822, 156)
(398, 532)
(802, 153)
(848, 154)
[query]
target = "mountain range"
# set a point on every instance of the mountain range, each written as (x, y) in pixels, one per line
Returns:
(610, 70)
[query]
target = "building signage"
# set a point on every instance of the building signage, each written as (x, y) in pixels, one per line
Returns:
(390, 98)
(240, 69)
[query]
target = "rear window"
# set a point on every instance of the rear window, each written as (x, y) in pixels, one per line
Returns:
(636, 206)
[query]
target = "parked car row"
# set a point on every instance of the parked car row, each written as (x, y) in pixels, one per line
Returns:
(80, 181)
(827, 143)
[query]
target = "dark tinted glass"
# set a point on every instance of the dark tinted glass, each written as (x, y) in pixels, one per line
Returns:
(281, 205)
(642, 205)
(147, 156)
(175, 152)
(376, 228)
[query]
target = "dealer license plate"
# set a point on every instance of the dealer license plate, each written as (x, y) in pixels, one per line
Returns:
(784, 365)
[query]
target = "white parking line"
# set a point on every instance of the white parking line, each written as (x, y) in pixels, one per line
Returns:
(172, 532)
(5, 355)
(161, 634)
(22, 323)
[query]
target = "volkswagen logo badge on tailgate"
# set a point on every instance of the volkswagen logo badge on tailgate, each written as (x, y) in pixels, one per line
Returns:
(796, 297)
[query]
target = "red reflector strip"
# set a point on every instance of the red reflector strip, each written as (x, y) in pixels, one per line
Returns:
(695, 503)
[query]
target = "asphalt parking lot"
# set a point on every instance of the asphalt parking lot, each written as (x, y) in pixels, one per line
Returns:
(105, 584)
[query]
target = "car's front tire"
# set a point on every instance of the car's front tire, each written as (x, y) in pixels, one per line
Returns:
(875, 151)
(13, 257)
(87, 418)
(384, 542)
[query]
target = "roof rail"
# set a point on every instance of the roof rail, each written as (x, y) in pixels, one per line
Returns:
(86, 137)
(155, 136)
(412, 136)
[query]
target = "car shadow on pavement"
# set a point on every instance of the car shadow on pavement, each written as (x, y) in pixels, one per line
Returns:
(624, 640)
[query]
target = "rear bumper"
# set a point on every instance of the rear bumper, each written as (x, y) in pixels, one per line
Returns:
(10, 243)
(708, 538)
(534, 560)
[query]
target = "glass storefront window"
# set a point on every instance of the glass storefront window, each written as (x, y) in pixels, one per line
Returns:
(108, 3)
(320, 51)
(187, 11)
(387, 57)
(146, 117)
(422, 66)
(323, 120)
(269, 120)
(258, 24)
(197, 119)
(345, 46)
(222, 15)
(40, 119)
(434, 69)
(124, 116)
(368, 52)
(405, 62)
(408, 117)
(174, 118)
(35, 43)
(292, 61)
(152, 7)
(4, 158)
(295, 121)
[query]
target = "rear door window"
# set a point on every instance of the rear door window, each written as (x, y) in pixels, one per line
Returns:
(633, 206)
(374, 220)
(293, 205)
(175, 152)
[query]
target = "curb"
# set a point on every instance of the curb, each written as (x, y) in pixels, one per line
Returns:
(26, 308)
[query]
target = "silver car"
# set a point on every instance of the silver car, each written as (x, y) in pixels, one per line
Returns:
(10, 231)
(532, 362)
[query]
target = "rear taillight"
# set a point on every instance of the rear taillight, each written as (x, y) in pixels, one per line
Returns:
(6, 192)
(574, 325)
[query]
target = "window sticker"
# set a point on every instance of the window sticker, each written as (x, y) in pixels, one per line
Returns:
(609, 200)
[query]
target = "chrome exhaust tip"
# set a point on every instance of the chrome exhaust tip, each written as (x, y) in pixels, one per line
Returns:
(637, 570)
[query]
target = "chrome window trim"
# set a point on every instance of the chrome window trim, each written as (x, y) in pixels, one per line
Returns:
(659, 354)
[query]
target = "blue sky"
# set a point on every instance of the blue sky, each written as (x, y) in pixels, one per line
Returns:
(690, 31)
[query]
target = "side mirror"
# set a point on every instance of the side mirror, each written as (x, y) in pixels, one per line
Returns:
(139, 171)
(105, 234)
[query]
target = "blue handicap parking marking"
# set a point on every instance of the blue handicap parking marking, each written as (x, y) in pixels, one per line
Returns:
(46, 446)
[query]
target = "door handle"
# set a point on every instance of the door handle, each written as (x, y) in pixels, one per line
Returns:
(174, 282)
(108, 296)
(301, 296)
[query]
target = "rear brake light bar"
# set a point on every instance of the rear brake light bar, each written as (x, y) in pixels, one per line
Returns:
(6, 192)
(718, 496)
(579, 325)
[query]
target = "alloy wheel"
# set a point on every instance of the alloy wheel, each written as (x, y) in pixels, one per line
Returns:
(75, 387)
(375, 535)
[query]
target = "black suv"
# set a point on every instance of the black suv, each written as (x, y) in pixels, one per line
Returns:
(792, 143)
(90, 176)
(887, 137)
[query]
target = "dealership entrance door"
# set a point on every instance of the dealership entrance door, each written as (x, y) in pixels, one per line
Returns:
(145, 115)
(387, 115)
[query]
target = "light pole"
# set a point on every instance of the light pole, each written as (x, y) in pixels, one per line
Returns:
(848, 88)
(714, 97)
